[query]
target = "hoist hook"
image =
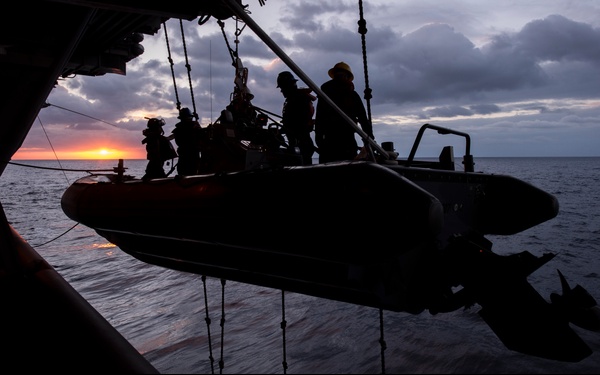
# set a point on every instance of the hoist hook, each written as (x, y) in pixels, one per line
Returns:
(203, 19)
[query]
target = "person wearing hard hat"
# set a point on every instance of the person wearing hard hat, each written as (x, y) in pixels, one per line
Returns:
(297, 115)
(335, 138)
(156, 151)
(187, 135)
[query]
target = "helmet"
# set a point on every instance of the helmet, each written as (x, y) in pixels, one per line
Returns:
(185, 113)
(341, 66)
(285, 79)
(155, 122)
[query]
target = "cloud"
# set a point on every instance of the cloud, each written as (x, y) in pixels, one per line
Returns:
(484, 109)
(448, 111)
(458, 66)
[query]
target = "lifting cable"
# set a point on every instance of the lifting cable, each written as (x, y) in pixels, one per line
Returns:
(207, 319)
(208, 322)
(283, 325)
(232, 53)
(238, 31)
(221, 361)
(178, 103)
(382, 341)
(189, 68)
(187, 65)
(362, 30)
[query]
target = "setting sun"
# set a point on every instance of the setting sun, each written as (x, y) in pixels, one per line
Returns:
(102, 153)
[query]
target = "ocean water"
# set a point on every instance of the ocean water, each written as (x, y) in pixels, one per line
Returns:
(163, 312)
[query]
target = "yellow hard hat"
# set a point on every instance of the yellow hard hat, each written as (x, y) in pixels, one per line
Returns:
(341, 66)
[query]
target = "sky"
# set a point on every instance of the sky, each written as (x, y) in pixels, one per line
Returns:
(522, 78)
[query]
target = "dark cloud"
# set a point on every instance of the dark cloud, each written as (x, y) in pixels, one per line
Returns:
(557, 38)
(304, 16)
(436, 63)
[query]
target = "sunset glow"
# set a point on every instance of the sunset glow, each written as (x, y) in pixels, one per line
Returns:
(90, 154)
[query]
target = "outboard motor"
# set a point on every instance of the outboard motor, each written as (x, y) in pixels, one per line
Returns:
(577, 305)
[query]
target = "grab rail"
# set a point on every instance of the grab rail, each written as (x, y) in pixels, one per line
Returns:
(467, 159)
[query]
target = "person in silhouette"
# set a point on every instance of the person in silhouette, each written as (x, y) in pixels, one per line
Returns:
(158, 149)
(187, 134)
(297, 115)
(335, 138)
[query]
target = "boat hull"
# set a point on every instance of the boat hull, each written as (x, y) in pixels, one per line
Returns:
(352, 210)
(334, 231)
(358, 232)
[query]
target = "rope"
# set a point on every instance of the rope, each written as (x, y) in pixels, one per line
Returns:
(57, 169)
(178, 103)
(189, 68)
(362, 29)
(221, 361)
(57, 237)
(382, 341)
(207, 319)
(61, 169)
(283, 325)
(49, 168)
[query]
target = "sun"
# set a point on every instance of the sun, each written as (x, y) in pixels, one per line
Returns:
(100, 153)
(104, 153)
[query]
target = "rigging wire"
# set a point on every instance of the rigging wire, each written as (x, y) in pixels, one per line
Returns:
(64, 170)
(52, 147)
(79, 113)
(66, 178)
